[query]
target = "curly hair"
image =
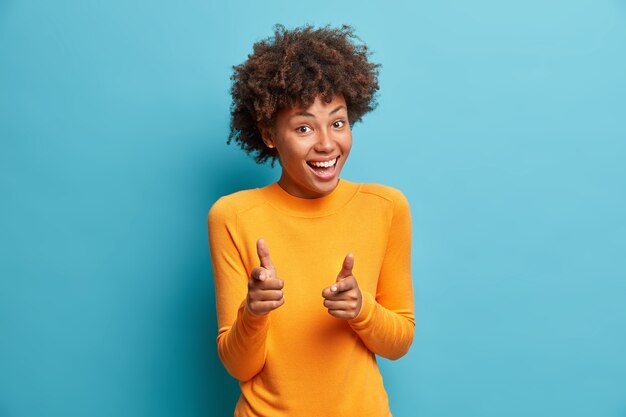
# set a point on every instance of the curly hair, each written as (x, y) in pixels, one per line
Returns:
(293, 67)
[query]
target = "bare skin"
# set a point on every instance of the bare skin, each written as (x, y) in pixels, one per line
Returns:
(343, 298)
(320, 132)
(264, 287)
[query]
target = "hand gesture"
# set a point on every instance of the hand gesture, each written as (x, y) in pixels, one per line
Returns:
(264, 287)
(343, 298)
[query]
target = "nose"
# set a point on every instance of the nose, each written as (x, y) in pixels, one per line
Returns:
(325, 142)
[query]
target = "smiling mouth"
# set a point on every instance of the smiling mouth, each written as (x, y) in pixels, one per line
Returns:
(323, 164)
(324, 170)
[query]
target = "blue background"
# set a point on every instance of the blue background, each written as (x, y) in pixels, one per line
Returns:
(504, 123)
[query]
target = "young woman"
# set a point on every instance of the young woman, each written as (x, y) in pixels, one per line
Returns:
(313, 272)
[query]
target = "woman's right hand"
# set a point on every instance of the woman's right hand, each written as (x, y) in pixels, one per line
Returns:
(264, 287)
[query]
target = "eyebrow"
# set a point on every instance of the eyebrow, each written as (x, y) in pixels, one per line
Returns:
(307, 114)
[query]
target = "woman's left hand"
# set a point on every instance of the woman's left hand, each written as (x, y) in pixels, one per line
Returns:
(343, 298)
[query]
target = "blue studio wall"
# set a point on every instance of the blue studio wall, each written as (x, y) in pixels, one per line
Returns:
(504, 123)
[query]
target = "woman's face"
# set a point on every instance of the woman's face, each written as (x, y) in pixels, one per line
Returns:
(313, 145)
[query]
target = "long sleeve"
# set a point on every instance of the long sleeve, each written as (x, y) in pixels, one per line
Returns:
(295, 360)
(241, 335)
(386, 322)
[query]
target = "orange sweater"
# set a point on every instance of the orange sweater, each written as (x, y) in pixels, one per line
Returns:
(298, 360)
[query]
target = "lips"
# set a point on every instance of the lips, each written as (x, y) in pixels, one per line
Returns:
(324, 169)
(327, 163)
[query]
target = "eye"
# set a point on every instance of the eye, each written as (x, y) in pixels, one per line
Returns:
(303, 129)
(339, 124)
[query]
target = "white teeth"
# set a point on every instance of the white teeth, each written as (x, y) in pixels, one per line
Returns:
(324, 164)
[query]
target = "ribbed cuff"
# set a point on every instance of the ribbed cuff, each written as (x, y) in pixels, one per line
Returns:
(368, 306)
(252, 322)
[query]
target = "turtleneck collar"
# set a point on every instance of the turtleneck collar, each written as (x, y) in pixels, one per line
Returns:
(310, 207)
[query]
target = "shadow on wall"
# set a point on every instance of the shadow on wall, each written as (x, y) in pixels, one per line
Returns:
(232, 171)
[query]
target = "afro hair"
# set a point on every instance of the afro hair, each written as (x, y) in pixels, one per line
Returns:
(292, 68)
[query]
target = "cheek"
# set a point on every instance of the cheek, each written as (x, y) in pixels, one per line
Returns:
(290, 157)
(347, 144)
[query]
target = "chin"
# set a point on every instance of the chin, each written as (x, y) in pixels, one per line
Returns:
(326, 188)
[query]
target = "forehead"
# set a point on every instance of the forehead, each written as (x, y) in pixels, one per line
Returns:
(318, 108)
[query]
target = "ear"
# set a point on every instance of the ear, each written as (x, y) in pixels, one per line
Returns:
(266, 134)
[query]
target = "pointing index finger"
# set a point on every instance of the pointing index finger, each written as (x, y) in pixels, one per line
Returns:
(339, 287)
(346, 268)
(264, 255)
(260, 274)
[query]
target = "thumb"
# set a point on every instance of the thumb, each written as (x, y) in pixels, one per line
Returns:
(346, 268)
(264, 255)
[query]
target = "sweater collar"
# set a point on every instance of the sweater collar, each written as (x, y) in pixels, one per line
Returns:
(310, 207)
